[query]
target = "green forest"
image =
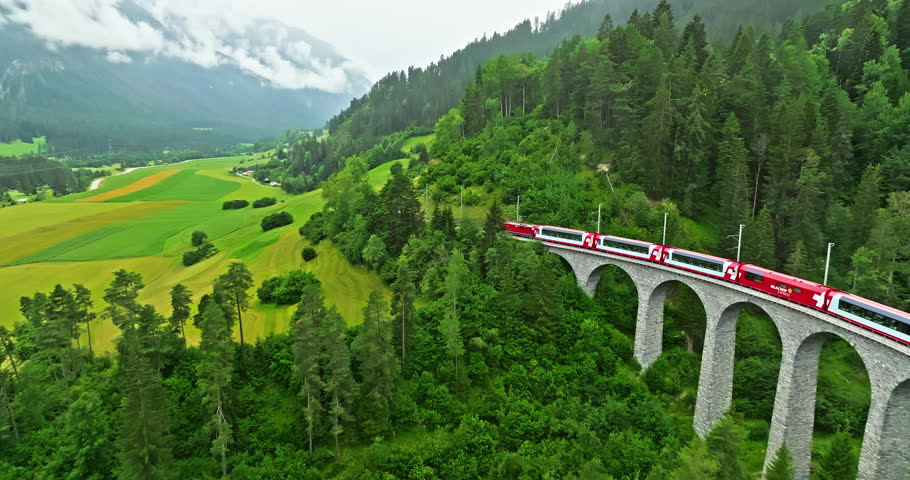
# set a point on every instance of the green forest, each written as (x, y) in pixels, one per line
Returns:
(488, 361)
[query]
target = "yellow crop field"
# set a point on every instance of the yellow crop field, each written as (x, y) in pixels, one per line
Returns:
(45, 236)
(22, 218)
(140, 184)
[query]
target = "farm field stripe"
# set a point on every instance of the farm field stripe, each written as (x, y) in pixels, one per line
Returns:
(38, 239)
(140, 184)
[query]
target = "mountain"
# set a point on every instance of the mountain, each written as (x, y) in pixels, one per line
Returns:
(90, 99)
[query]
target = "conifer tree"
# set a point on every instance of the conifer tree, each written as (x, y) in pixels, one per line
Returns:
(145, 443)
(695, 463)
(181, 299)
(902, 34)
(781, 467)
(839, 460)
(450, 325)
(732, 180)
(606, 26)
(378, 367)
(725, 442)
(694, 34)
(215, 369)
(234, 286)
(339, 386)
(758, 241)
(306, 325)
(83, 298)
(121, 298)
(866, 204)
(403, 297)
(400, 210)
(6, 344)
(798, 261)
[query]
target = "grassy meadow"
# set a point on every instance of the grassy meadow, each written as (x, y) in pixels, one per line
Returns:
(18, 147)
(142, 221)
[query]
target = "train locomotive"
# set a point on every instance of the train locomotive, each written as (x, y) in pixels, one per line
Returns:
(882, 319)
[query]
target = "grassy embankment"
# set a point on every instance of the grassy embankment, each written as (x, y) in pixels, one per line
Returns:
(83, 238)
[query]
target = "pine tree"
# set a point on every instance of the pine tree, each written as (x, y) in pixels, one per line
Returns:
(122, 297)
(732, 180)
(695, 463)
(866, 204)
(781, 467)
(378, 367)
(403, 297)
(234, 286)
(181, 299)
(839, 461)
(83, 301)
(450, 326)
(399, 209)
(339, 386)
(725, 442)
(606, 26)
(443, 221)
(758, 241)
(145, 443)
(902, 33)
(306, 326)
(695, 34)
(6, 344)
(656, 138)
(215, 369)
(798, 261)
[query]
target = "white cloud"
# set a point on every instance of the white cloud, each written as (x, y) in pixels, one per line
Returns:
(208, 34)
(115, 56)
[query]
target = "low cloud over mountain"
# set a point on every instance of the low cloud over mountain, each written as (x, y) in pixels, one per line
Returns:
(209, 36)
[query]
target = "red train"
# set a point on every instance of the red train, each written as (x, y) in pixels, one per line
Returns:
(882, 319)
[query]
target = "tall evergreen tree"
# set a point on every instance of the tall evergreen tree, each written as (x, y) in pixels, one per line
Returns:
(758, 241)
(215, 369)
(732, 180)
(378, 366)
(839, 461)
(234, 286)
(866, 204)
(403, 297)
(725, 442)
(798, 261)
(606, 26)
(84, 303)
(781, 467)
(181, 299)
(145, 442)
(450, 325)
(306, 326)
(339, 385)
(6, 344)
(399, 209)
(696, 463)
(902, 33)
(695, 34)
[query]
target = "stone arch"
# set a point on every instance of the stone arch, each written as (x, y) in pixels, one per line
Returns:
(794, 419)
(595, 275)
(649, 327)
(716, 379)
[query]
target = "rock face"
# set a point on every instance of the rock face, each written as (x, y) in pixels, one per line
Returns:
(803, 331)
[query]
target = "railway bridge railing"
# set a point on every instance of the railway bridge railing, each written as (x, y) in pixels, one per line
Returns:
(886, 442)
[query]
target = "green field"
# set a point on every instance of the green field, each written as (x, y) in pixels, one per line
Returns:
(18, 147)
(148, 231)
(412, 142)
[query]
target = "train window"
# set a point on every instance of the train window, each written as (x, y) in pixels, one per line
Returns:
(575, 237)
(624, 246)
(797, 290)
(782, 285)
(860, 311)
(698, 262)
(754, 277)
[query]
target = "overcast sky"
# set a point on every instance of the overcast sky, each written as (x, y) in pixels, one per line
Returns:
(377, 36)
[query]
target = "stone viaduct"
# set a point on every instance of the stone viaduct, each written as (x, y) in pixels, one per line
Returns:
(886, 443)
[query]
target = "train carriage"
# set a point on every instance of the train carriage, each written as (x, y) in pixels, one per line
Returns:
(566, 236)
(520, 229)
(717, 267)
(785, 286)
(883, 319)
(630, 248)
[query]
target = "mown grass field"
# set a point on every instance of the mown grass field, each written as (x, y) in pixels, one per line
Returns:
(148, 229)
(18, 147)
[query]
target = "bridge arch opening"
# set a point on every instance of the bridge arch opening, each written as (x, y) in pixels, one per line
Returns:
(678, 312)
(756, 368)
(617, 295)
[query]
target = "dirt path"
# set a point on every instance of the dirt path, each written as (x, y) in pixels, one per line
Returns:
(96, 183)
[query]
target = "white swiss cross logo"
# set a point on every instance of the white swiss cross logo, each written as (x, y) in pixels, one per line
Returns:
(819, 299)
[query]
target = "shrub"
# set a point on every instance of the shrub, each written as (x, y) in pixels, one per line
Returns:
(264, 202)
(308, 253)
(275, 220)
(203, 251)
(313, 229)
(234, 204)
(199, 237)
(286, 290)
